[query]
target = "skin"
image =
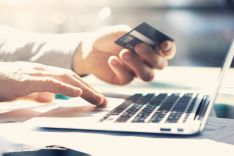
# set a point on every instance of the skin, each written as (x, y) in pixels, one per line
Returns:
(97, 54)
(113, 64)
(23, 78)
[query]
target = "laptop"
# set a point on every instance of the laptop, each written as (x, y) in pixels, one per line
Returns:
(183, 113)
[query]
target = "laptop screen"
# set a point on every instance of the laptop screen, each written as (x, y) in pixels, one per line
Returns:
(224, 70)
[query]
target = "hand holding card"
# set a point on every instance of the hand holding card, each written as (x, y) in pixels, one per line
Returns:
(152, 50)
(118, 64)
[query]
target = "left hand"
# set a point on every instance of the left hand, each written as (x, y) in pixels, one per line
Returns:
(99, 55)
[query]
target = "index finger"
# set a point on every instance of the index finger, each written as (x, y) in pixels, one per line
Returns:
(167, 49)
(88, 93)
(49, 84)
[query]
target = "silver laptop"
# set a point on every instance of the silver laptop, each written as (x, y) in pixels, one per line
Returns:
(167, 112)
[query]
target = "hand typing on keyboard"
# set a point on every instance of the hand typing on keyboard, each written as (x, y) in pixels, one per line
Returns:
(96, 53)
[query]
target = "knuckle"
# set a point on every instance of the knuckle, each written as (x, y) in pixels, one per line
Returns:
(70, 74)
(66, 72)
(26, 86)
(65, 75)
(49, 81)
(50, 84)
(159, 63)
(44, 84)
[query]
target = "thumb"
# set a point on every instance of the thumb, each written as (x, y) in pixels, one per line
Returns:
(43, 97)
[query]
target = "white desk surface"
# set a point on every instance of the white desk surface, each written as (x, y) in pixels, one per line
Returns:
(217, 139)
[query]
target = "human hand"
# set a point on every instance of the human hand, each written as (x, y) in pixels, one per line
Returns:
(23, 78)
(99, 55)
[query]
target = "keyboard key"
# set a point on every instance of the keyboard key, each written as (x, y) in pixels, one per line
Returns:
(156, 101)
(144, 99)
(190, 109)
(119, 109)
(122, 119)
(169, 102)
(139, 103)
(179, 108)
(158, 116)
(192, 105)
(165, 108)
(125, 104)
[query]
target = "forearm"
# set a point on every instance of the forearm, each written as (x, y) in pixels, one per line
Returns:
(49, 49)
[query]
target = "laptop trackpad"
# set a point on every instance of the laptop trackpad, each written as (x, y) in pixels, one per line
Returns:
(75, 108)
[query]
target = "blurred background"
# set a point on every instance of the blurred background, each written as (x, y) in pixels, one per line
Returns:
(202, 29)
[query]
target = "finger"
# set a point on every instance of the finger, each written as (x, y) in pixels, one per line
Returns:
(49, 84)
(43, 97)
(167, 49)
(88, 93)
(122, 75)
(151, 57)
(136, 65)
(91, 95)
(104, 103)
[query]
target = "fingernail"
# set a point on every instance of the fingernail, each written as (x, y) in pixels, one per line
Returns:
(114, 62)
(104, 103)
(127, 56)
(166, 46)
(141, 47)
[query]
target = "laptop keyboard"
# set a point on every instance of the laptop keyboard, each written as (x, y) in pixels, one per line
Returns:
(153, 108)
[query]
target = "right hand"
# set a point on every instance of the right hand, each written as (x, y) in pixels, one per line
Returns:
(19, 79)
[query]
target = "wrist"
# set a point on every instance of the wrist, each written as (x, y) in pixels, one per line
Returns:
(79, 62)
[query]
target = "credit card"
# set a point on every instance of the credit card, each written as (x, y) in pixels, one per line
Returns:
(143, 33)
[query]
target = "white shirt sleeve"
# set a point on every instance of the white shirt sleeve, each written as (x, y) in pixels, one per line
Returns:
(49, 49)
